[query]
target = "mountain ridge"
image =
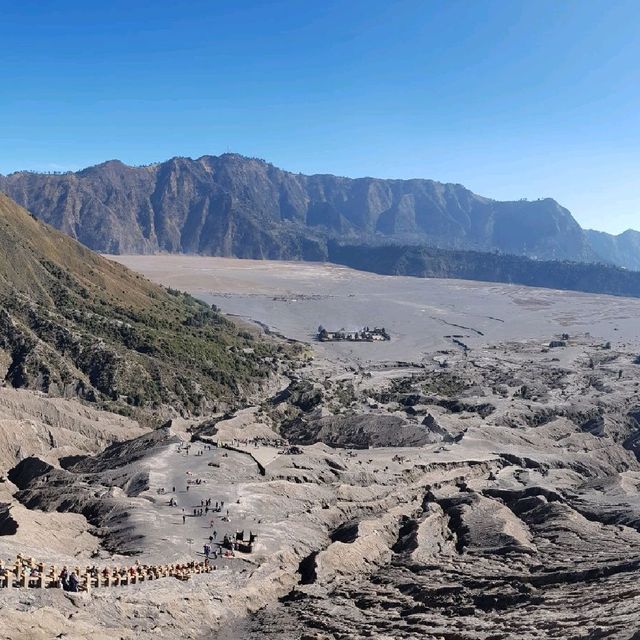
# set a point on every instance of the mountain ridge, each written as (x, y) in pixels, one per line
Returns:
(430, 262)
(232, 205)
(622, 249)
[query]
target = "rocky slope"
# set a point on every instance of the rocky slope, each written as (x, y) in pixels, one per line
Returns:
(75, 324)
(236, 206)
(518, 515)
(53, 429)
(524, 524)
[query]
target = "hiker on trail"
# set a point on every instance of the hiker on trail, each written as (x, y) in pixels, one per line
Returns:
(184, 518)
(187, 487)
(174, 489)
(194, 512)
(215, 534)
(64, 578)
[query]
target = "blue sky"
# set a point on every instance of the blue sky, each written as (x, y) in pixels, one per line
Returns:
(511, 98)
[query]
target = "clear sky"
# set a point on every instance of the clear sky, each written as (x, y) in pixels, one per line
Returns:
(512, 98)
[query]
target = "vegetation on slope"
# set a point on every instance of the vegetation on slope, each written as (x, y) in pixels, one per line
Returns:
(74, 323)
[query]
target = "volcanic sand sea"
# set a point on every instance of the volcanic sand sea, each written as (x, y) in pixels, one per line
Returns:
(530, 474)
(422, 315)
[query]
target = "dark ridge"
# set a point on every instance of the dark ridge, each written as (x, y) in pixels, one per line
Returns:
(68, 462)
(428, 262)
(27, 470)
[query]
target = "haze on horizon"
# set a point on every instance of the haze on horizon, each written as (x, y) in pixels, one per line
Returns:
(522, 99)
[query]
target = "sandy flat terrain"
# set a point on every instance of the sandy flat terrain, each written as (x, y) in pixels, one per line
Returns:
(422, 315)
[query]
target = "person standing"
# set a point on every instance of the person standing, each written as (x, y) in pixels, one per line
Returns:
(64, 578)
(74, 582)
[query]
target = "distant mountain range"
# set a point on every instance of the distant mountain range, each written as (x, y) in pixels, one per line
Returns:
(622, 250)
(232, 205)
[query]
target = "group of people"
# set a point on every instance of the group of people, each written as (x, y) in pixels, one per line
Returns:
(208, 506)
(187, 447)
(207, 503)
(205, 507)
(257, 442)
(70, 581)
(24, 570)
(26, 567)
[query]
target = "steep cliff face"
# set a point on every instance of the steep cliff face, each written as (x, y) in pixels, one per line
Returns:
(622, 250)
(236, 206)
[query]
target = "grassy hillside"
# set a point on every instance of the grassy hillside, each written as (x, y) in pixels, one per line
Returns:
(74, 323)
